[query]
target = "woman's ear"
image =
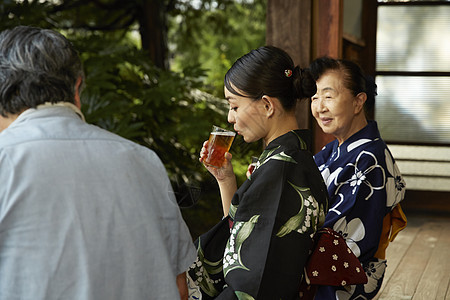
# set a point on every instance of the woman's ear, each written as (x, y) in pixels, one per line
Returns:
(269, 106)
(360, 99)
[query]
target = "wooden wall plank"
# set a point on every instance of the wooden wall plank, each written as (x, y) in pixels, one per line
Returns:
(288, 26)
(328, 27)
(327, 41)
(369, 35)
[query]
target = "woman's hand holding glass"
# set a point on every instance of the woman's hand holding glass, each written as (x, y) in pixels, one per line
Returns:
(223, 173)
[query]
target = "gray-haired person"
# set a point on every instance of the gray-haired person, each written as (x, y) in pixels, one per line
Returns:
(84, 213)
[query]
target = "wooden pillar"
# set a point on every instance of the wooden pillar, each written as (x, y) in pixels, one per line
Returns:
(328, 27)
(327, 41)
(306, 29)
(369, 33)
(289, 27)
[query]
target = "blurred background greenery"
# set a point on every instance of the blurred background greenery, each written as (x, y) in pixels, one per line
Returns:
(154, 74)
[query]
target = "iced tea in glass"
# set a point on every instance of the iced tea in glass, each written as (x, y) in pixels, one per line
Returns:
(219, 143)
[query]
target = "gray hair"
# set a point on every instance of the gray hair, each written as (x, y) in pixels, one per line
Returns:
(36, 66)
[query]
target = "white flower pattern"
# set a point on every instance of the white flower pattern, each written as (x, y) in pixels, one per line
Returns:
(363, 180)
(352, 232)
(346, 293)
(330, 178)
(193, 289)
(395, 185)
(374, 271)
(359, 175)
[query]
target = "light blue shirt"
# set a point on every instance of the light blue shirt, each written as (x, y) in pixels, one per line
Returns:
(85, 214)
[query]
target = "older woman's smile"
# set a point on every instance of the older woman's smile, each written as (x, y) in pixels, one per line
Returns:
(337, 111)
(325, 121)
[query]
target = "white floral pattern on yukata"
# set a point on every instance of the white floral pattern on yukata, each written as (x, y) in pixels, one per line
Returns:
(360, 175)
(282, 203)
(352, 232)
(395, 185)
(364, 184)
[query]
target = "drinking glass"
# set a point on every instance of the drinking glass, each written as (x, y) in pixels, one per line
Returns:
(219, 143)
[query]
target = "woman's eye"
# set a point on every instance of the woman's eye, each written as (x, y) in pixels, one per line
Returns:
(234, 108)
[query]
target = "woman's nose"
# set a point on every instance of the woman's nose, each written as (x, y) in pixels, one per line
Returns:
(230, 117)
(321, 107)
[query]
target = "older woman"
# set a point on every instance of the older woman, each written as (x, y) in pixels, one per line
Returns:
(363, 181)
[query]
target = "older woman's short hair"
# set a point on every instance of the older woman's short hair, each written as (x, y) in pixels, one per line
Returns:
(36, 66)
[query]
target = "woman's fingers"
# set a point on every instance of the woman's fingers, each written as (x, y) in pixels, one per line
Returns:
(203, 151)
(250, 169)
(228, 156)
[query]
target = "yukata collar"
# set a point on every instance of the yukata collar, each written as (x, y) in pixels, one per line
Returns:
(368, 133)
(300, 138)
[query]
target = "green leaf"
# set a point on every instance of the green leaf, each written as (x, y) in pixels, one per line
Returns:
(243, 296)
(240, 232)
(209, 267)
(296, 222)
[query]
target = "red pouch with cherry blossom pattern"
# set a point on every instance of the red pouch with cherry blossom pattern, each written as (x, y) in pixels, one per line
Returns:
(332, 262)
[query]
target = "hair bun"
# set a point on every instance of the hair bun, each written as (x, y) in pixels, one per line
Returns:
(304, 83)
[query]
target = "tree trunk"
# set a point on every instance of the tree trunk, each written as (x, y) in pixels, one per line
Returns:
(153, 30)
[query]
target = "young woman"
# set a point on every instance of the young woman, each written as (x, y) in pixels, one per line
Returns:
(259, 249)
(364, 183)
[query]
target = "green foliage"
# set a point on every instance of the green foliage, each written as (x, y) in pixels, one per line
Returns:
(160, 109)
(169, 111)
(214, 34)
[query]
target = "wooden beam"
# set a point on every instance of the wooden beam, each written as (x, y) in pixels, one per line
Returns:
(369, 34)
(306, 29)
(328, 27)
(289, 28)
(327, 41)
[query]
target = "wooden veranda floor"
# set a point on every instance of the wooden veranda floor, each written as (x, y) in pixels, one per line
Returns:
(419, 260)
